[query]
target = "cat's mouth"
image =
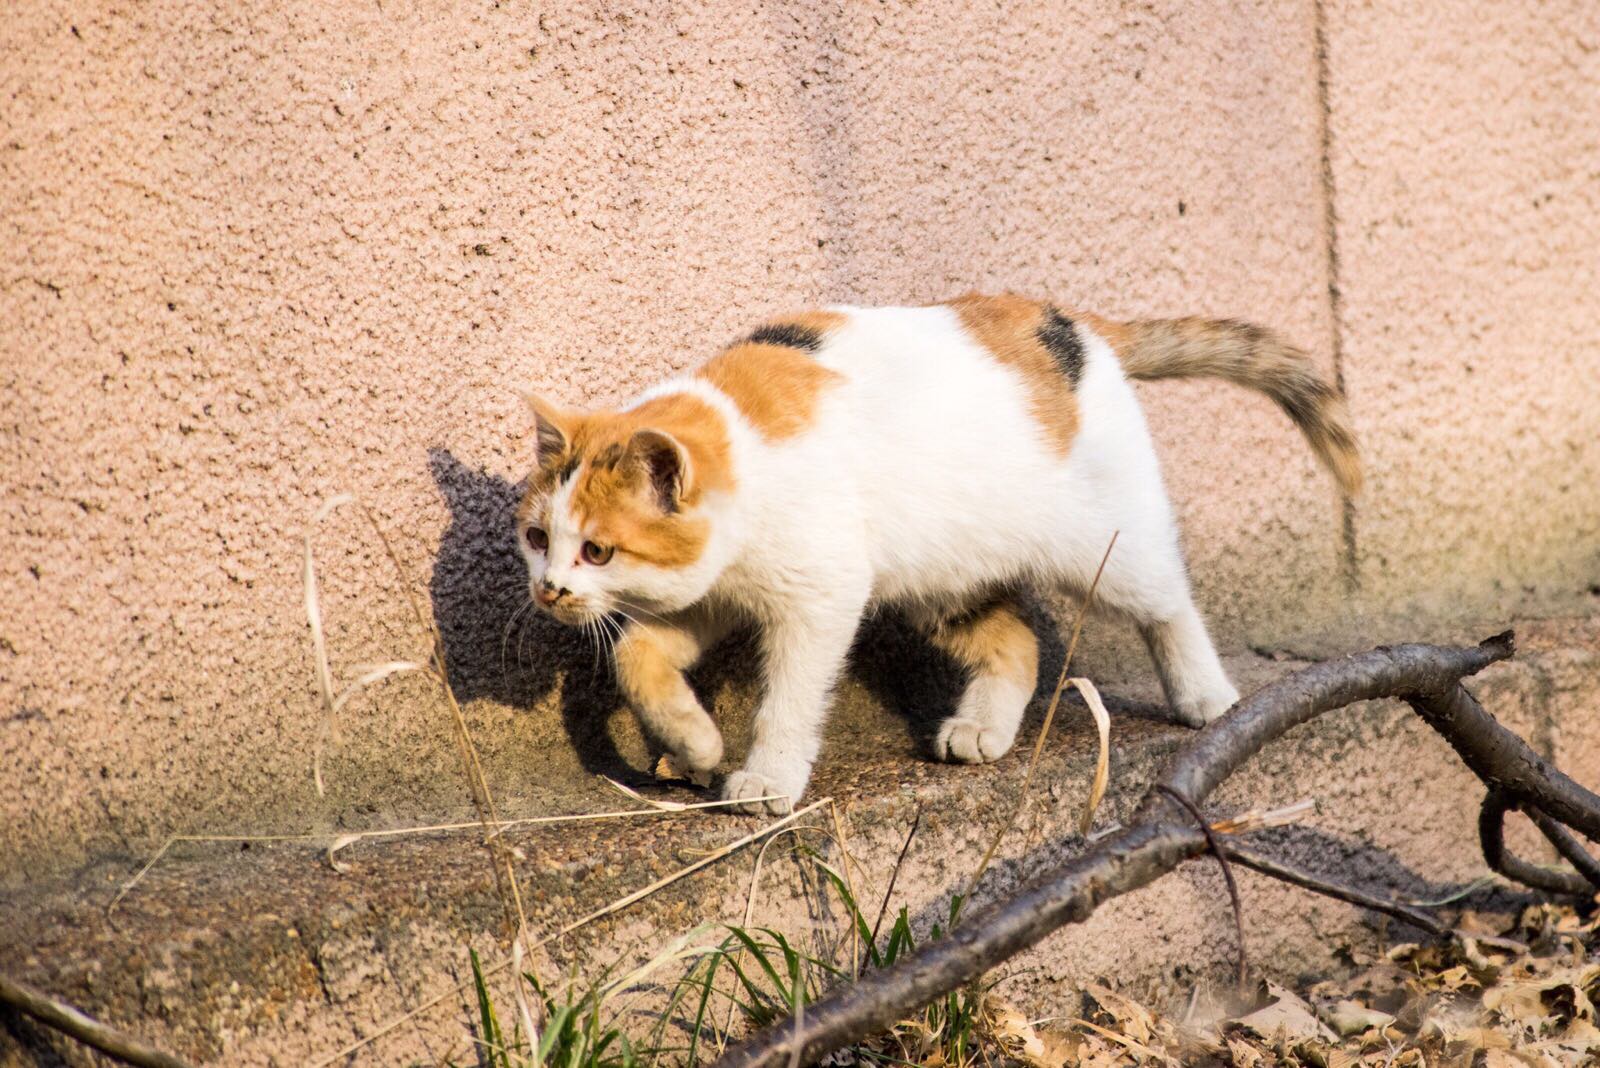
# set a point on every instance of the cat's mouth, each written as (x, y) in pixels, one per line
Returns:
(572, 613)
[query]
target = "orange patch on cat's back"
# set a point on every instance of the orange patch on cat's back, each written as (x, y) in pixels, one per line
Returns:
(1036, 342)
(1118, 335)
(771, 376)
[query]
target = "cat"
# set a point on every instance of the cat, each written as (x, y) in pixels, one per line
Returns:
(938, 459)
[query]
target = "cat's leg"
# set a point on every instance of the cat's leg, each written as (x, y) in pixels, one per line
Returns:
(650, 660)
(1001, 657)
(804, 647)
(1145, 580)
(1197, 687)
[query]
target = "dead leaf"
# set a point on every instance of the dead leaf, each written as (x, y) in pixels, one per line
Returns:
(1131, 1018)
(1102, 764)
(667, 770)
(1287, 1019)
(1352, 1018)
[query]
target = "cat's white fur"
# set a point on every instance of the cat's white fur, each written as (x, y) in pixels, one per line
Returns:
(923, 481)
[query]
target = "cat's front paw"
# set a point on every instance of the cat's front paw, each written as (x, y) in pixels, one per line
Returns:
(969, 741)
(759, 794)
(698, 749)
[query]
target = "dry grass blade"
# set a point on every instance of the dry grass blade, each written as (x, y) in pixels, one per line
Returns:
(894, 874)
(1102, 765)
(1258, 820)
(319, 644)
(478, 785)
(1049, 718)
(376, 673)
(336, 845)
(519, 989)
(678, 949)
(582, 921)
(352, 837)
(630, 792)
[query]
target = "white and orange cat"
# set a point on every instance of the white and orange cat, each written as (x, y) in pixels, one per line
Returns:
(937, 459)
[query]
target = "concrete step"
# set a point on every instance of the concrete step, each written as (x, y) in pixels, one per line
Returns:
(263, 954)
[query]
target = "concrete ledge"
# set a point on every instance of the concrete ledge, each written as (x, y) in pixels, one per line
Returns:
(264, 955)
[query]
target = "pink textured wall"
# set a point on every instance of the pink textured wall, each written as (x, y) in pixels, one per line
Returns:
(255, 255)
(1466, 159)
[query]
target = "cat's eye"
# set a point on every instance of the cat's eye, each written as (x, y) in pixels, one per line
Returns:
(538, 539)
(596, 554)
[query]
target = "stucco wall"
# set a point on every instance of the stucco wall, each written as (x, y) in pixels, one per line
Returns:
(255, 255)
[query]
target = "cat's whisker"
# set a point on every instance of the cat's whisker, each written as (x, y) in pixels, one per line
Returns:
(593, 630)
(505, 637)
(656, 617)
(624, 613)
(613, 632)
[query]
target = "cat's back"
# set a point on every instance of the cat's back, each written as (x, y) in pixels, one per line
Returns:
(978, 373)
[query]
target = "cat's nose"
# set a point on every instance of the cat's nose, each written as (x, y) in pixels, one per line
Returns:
(549, 594)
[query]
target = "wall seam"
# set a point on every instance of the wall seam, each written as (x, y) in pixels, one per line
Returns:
(1330, 238)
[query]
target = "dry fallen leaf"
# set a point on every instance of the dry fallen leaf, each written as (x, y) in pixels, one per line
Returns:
(667, 770)
(1131, 1018)
(1287, 1018)
(1352, 1018)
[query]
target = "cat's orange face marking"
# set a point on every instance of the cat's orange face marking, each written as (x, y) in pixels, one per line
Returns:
(1029, 338)
(771, 377)
(627, 493)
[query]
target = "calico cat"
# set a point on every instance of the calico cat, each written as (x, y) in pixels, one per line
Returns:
(934, 458)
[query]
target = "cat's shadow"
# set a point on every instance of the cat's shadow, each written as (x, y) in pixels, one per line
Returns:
(500, 648)
(497, 645)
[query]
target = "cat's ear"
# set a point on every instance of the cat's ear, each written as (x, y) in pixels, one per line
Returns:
(550, 425)
(667, 463)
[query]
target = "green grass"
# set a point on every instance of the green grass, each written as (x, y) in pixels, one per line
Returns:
(757, 975)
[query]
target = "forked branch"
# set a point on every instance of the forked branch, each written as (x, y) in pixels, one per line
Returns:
(1427, 677)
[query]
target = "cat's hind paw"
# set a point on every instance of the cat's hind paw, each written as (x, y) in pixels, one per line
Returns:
(969, 741)
(1199, 709)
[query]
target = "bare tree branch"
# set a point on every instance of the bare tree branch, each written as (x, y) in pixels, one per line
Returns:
(69, 1021)
(1328, 888)
(1491, 836)
(1428, 677)
(1227, 873)
(1569, 847)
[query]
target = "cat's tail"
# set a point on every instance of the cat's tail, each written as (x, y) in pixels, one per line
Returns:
(1251, 356)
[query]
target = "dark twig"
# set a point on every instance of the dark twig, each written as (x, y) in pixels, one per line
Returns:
(1568, 846)
(1505, 762)
(888, 893)
(74, 1024)
(1338, 891)
(1491, 836)
(1227, 872)
(1152, 844)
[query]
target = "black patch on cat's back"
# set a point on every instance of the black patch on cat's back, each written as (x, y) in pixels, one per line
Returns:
(790, 335)
(1059, 336)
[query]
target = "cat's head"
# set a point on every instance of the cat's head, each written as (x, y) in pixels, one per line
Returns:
(620, 510)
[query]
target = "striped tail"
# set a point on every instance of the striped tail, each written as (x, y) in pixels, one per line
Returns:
(1246, 355)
